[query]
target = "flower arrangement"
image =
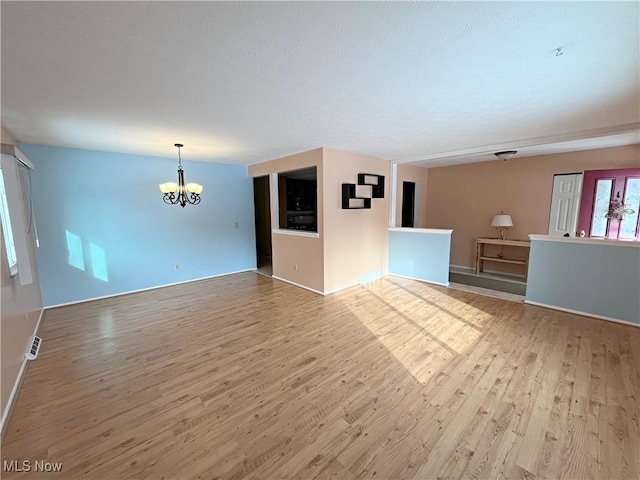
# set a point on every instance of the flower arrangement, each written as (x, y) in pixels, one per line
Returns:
(618, 210)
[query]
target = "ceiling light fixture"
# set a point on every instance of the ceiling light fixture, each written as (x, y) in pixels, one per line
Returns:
(506, 155)
(181, 193)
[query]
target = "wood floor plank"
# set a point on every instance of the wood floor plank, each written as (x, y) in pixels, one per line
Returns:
(246, 377)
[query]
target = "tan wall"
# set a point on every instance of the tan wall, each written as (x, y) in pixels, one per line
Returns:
(299, 260)
(466, 197)
(21, 307)
(355, 241)
(418, 175)
(290, 251)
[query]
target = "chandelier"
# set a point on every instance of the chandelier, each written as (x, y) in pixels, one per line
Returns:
(181, 193)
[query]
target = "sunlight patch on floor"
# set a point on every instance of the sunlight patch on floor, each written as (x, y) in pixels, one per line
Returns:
(420, 326)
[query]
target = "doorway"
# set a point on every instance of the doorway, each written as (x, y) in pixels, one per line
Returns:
(408, 203)
(565, 201)
(262, 209)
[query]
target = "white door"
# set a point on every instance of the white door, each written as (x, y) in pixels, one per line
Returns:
(565, 202)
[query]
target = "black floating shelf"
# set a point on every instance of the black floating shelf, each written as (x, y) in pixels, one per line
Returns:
(376, 182)
(349, 194)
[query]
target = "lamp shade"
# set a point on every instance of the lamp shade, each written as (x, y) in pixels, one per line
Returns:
(168, 187)
(194, 188)
(502, 221)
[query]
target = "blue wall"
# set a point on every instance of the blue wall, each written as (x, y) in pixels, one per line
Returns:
(104, 229)
(601, 280)
(421, 255)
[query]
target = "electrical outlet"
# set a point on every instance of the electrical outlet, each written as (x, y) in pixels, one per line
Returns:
(177, 266)
(295, 266)
(235, 225)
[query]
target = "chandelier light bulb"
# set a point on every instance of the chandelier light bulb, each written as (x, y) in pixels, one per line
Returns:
(181, 193)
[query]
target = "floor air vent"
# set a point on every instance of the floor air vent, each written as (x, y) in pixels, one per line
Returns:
(32, 354)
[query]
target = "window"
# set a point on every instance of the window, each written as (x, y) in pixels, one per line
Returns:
(12, 257)
(602, 198)
(610, 203)
(298, 199)
(631, 199)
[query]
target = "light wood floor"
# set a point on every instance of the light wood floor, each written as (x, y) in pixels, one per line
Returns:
(247, 377)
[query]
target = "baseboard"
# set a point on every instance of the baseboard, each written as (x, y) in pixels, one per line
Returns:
(339, 289)
(419, 279)
(18, 383)
(298, 285)
(262, 273)
(494, 272)
(584, 314)
(329, 292)
(148, 288)
(504, 274)
(462, 267)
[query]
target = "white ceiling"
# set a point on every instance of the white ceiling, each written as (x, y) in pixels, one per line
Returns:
(248, 82)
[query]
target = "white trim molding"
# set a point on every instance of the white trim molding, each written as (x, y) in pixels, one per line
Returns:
(149, 288)
(607, 242)
(296, 233)
(584, 314)
(298, 285)
(419, 279)
(339, 289)
(530, 142)
(421, 230)
(328, 292)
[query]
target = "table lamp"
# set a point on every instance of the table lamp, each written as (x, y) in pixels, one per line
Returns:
(502, 222)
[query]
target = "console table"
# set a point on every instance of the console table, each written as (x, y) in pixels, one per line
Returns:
(481, 257)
